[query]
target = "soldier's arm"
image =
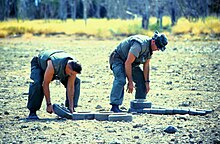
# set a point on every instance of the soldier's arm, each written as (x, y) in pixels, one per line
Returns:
(48, 76)
(128, 71)
(70, 91)
(146, 68)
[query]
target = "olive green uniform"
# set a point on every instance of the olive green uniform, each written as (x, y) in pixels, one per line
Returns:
(38, 66)
(139, 46)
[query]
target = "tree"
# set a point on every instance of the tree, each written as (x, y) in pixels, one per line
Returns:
(145, 16)
(85, 11)
(63, 9)
(2, 10)
(22, 13)
(192, 10)
(73, 6)
(173, 12)
(215, 7)
(98, 7)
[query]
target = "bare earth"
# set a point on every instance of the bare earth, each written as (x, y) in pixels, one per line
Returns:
(186, 73)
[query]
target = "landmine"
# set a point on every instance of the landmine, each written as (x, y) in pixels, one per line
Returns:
(100, 116)
(136, 106)
(142, 106)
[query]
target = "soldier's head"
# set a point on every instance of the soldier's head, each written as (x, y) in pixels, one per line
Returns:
(75, 66)
(160, 40)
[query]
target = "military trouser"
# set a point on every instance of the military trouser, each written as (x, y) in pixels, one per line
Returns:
(36, 93)
(117, 92)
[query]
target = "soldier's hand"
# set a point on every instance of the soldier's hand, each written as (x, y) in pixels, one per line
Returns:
(130, 87)
(50, 109)
(147, 87)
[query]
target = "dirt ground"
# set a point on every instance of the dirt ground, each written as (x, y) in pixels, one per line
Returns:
(186, 75)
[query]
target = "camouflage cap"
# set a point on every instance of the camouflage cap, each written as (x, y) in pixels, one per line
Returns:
(160, 40)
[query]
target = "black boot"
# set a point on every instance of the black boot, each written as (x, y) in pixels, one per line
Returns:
(32, 116)
(115, 109)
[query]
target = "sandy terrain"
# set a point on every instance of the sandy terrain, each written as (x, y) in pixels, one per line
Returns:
(187, 72)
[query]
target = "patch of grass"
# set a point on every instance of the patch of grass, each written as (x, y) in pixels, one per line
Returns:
(183, 26)
(155, 26)
(208, 26)
(104, 28)
(3, 33)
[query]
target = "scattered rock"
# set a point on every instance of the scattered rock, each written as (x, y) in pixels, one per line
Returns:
(169, 83)
(111, 130)
(137, 125)
(36, 128)
(185, 118)
(25, 93)
(42, 137)
(172, 139)
(193, 89)
(6, 113)
(216, 141)
(190, 135)
(16, 117)
(46, 128)
(116, 142)
(185, 104)
(191, 141)
(98, 107)
(123, 108)
(170, 129)
(154, 68)
(24, 126)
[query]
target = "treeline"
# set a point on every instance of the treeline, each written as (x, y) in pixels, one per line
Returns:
(123, 9)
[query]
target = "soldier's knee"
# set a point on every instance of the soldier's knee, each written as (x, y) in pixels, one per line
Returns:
(77, 81)
(121, 81)
(36, 85)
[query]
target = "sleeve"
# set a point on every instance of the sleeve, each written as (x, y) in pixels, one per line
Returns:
(135, 49)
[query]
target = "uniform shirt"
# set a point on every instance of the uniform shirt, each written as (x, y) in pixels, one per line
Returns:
(138, 45)
(59, 60)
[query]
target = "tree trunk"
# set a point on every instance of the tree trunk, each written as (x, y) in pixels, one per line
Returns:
(111, 7)
(22, 13)
(145, 17)
(97, 13)
(45, 11)
(85, 11)
(159, 11)
(173, 12)
(2, 10)
(73, 6)
(74, 10)
(161, 17)
(63, 10)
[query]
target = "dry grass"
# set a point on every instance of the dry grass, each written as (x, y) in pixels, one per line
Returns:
(208, 26)
(104, 28)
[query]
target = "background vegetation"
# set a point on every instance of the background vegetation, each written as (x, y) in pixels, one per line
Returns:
(110, 18)
(103, 28)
